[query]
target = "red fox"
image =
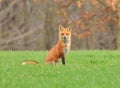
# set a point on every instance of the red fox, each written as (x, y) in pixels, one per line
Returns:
(61, 48)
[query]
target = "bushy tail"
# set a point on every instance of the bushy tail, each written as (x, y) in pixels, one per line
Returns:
(25, 62)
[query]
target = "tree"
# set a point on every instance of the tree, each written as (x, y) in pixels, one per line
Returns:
(33, 24)
(95, 20)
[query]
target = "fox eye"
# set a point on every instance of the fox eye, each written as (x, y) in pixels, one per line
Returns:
(62, 33)
(67, 34)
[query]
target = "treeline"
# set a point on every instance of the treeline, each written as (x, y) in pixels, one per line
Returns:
(33, 24)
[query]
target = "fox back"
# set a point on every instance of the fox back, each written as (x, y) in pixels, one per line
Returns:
(55, 53)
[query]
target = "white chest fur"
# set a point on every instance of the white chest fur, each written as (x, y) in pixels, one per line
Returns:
(66, 50)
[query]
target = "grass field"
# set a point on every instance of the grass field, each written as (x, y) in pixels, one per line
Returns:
(83, 69)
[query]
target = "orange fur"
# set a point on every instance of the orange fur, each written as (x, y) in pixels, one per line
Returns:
(61, 48)
(55, 53)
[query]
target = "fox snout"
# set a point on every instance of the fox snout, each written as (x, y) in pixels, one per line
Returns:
(65, 37)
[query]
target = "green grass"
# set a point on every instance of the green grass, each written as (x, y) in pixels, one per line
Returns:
(83, 69)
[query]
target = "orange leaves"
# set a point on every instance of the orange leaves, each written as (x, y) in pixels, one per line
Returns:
(94, 2)
(88, 16)
(1, 1)
(78, 4)
(66, 15)
(83, 26)
(114, 2)
(111, 3)
(84, 35)
(36, 1)
(77, 23)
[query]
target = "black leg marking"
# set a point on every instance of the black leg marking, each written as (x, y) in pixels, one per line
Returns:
(63, 60)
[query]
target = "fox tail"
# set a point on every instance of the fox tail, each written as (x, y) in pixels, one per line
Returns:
(25, 62)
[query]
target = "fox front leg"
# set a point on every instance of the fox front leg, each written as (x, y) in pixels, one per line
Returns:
(63, 60)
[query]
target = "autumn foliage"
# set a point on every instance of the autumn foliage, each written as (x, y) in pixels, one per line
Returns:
(88, 16)
(95, 23)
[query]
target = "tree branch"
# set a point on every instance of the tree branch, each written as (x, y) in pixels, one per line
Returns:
(102, 2)
(5, 11)
(62, 5)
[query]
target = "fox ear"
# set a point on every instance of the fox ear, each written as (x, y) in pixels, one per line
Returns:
(70, 28)
(61, 27)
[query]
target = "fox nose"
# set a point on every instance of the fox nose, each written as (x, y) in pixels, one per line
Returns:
(64, 37)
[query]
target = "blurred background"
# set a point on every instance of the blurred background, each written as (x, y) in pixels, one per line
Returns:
(33, 24)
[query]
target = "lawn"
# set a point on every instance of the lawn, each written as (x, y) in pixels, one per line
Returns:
(83, 69)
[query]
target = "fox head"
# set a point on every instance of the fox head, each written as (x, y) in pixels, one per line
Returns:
(65, 33)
